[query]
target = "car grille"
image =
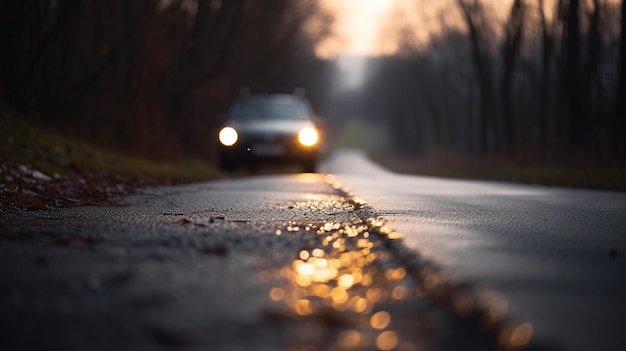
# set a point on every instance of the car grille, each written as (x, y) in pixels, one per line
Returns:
(269, 139)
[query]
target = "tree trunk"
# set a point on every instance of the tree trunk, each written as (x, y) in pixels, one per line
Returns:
(510, 50)
(483, 73)
(547, 43)
(575, 113)
(619, 121)
(592, 119)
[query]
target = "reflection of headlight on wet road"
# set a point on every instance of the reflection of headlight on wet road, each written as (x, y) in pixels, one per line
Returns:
(228, 136)
(308, 136)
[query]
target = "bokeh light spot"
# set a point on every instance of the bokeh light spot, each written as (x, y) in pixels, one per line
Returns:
(277, 294)
(304, 307)
(349, 339)
(380, 320)
(387, 340)
(346, 281)
(521, 335)
(304, 255)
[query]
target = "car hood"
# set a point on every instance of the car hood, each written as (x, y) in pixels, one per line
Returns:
(270, 127)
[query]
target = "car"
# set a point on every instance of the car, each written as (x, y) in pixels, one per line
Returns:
(269, 127)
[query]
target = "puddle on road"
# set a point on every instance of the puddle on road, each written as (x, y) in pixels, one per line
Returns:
(348, 291)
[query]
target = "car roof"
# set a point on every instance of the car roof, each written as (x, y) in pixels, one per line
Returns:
(272, 98)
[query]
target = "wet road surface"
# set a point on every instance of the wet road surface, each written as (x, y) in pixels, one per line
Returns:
(300, 262)
(556, 258)
(257, 263)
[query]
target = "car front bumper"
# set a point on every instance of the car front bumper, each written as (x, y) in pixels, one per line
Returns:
(286, 149)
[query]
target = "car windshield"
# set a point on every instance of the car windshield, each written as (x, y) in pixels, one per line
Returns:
(262, 111)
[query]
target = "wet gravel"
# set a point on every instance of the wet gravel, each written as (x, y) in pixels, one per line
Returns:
(263, 263)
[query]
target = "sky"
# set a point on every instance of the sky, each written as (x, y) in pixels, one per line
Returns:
(356, 28)
(357, 35)
(366, 28)
(370, 27)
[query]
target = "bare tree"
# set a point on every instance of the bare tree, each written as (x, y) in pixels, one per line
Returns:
(547, 54)
(473, 14)
(513, 36)
(132, 74)
(619, 122)
(570, 75)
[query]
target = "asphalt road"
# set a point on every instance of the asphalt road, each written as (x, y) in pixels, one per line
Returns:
(289, 262)
(553, 257)
(280, 262)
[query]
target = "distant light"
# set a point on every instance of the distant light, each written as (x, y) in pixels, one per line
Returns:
(308, 136)
(228, 136)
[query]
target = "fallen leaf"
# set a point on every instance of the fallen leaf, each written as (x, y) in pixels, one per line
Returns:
(183, 221)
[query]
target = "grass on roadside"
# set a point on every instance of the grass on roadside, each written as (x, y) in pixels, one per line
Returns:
(41, 169)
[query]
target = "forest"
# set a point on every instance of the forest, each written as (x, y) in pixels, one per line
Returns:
(547, 79)
(153, 77)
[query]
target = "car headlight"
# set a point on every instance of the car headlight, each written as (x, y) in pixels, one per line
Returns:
(308, 136)
(228, 136)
